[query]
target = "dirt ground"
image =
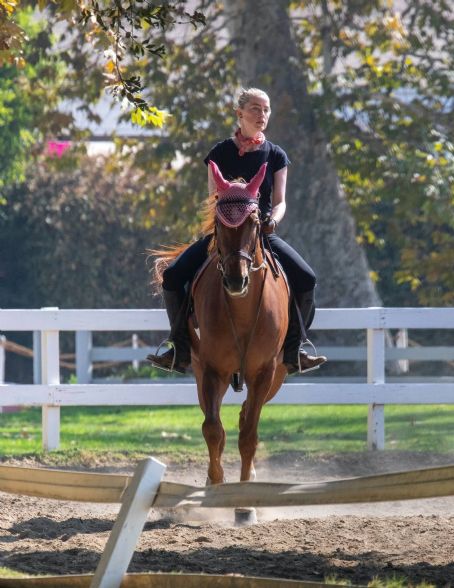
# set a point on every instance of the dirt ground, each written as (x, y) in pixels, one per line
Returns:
(356, 543)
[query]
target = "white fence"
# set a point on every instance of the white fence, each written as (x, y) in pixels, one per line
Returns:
(51, 395)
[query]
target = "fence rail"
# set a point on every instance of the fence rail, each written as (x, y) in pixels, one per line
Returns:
(328, 319)
(50, 394)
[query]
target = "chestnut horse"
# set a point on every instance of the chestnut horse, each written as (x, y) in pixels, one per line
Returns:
(240, 318)
(241, 311)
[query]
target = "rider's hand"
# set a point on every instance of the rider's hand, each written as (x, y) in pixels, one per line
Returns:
(269, 225)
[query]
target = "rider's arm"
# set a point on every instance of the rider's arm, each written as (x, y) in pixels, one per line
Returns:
(279, 205)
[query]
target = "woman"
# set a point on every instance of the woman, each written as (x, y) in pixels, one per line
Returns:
(240, 157)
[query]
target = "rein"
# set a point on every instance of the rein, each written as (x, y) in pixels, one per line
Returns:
(239, 377)
(239, 382)
(274, 266)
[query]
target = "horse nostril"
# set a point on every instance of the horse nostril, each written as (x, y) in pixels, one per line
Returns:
(235, 285)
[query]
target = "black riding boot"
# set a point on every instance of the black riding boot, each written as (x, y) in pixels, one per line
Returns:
(178, 358)
(302, 310)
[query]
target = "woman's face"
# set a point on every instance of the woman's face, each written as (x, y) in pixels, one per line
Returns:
(254, 117)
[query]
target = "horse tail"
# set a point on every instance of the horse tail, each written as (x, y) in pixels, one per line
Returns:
(163, 258)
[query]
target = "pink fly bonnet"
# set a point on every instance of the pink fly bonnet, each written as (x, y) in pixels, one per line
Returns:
(236, 201)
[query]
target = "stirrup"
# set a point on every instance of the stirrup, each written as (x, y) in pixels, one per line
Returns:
(300, 349)
(172, 346)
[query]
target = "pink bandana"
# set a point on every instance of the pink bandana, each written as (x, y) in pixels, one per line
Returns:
(236, 201)
(247, 143)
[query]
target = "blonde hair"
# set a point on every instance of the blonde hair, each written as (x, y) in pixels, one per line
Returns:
(246, 94)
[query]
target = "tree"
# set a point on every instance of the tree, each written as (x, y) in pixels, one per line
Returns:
(197, 81)
(362, 103)
(383, 84)
(121, 30)
(340, 71)
(29, 99)
(127, 203)
(71, 236)
(364, 98)
(323, 226)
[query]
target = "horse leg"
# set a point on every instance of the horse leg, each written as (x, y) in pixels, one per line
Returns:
(258, 390)
(252, 474)
(279, 376)
(212, 391)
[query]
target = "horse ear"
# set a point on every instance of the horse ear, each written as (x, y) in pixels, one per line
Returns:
(221, 184)
(255, 183)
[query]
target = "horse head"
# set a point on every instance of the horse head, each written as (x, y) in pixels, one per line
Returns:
(237, 228)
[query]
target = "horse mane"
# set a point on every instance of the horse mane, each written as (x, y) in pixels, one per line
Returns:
(165, 255)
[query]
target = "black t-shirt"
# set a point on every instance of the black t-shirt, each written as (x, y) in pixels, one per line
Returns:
(232, 166)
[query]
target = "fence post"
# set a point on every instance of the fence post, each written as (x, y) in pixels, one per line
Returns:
(402, 343)
(135, 345)
(50, 373)
(376, 375)
(37, 379)
(84, 367)
(2, 359)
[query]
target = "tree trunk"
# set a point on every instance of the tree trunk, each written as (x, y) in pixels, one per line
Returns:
(319, 222)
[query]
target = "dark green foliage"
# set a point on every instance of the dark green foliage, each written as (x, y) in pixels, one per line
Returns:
(131, 29)
(382, 86)
(29, 95)
(71, 237)
(380, 83)
(197, 82)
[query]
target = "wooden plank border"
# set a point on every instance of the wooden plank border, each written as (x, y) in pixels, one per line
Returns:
(163, 580)
(93, 487)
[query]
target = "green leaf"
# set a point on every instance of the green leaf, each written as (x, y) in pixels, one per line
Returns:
(150, 116)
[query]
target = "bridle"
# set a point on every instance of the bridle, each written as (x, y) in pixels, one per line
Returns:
(242, 347)
(241, 253)
(236, 205)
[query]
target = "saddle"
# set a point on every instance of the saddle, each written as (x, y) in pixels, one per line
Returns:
(271, 259)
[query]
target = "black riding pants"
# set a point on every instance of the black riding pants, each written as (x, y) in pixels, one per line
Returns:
(183, 269)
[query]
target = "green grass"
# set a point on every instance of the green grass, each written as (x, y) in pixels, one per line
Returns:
(9, 573)
(176, 431)
(397, 582)
(394, 582)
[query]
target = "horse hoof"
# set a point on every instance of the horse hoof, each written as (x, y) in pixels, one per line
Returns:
(245, 517)
(210, 483)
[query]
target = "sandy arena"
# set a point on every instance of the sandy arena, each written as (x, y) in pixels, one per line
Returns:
(356, 543)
